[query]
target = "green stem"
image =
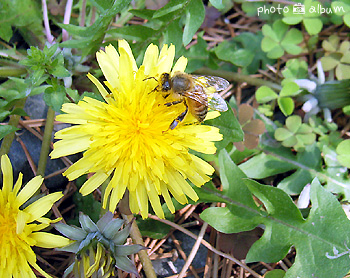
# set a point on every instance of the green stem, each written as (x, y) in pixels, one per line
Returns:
(45, 146)
(137, 239)
(11, 71)
(14, 120)
(234, 76)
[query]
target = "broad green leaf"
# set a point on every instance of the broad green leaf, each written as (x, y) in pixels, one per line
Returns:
(252, 43)
(310, 162)
(197, 55)
(266, 165)
(23, 15)
(230, 51)
(195, 14)
(229, 128)
(6, 129)
(321, 237)
(343, 151)
(276, 273)
(317, 238)
(241, 210)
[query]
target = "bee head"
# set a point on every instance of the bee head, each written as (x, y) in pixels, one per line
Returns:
(165, 82)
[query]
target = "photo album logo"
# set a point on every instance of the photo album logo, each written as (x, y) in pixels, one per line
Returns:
(299, 9)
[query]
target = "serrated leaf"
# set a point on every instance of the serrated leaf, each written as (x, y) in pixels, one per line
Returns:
(241, 210)
(229, 128)
(313, 238)
(323, 232)
(195, 14)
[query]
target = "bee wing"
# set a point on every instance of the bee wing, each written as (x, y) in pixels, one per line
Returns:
(217, 82)
(198, 95)
(218, 103)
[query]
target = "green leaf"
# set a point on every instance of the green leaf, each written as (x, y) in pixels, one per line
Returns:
(55, 97)
(310, 162)
(195, 14)
(286, 104)
(229, 51)
(229, 128)
(343, 151)
(217, 4)
(293, 123)
(6, 129)
(172, 6)
(241, 210)
(315, 238)
(145, 13)
(25, 16)
(264, 165)
(319, 237)
(313, 25)
(132, 32)
(276, 273)
(257, 58)
(265, 94)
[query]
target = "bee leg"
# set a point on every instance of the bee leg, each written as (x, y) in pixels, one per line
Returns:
(173, 103)
(151, 77)
(179, 119)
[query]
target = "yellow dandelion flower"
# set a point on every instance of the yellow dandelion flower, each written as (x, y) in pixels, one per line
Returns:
(19, 228)
(127, 139)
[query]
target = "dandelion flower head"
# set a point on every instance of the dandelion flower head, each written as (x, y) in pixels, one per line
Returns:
(20, 228)
(126, 139)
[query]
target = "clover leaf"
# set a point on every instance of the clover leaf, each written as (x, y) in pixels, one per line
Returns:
(296, 134)
(310, 18)
(337, 57)
(295, 69)
(285, 102)
(343, 151)
(278, 39)
(342, 8)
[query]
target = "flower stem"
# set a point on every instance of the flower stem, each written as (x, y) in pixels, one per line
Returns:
(45, 146)
(14, 120)
(234, 76)
(137, 239)
(11, 71)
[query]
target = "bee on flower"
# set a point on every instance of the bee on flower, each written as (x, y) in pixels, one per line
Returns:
(130, 140)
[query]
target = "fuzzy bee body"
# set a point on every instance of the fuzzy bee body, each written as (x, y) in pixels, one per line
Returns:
(192, 91)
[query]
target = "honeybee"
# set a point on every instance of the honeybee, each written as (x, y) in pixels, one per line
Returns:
(192, 91)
